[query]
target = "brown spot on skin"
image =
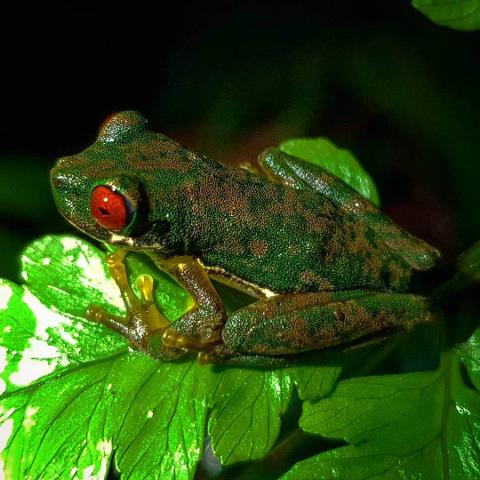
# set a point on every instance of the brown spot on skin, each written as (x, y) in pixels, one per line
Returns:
(296, 333)
(339, 315)
(154, 148)
(324, 284)
(227, 197)
(358, 242)
(259, 247)
(315, 223)
(358, 321)
(351, 318)
(292, 249)
(167, 155)
(232, 245)
(373, 267)
(288, 303)
(350, 238)
(397, 273)
(291, 200)
(279, 208)
(309, 277)
(274, 209)
(335, 245)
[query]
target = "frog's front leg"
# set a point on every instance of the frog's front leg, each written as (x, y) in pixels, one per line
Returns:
(143, 320)
(294, 323)
(200, 328)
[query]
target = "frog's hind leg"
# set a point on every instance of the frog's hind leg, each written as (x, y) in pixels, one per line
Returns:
(289, 324)
(297, 173)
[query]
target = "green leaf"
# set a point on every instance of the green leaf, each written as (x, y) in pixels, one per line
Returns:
(469, 264)
(70, 274)
(417, 425)
(73, 392)
(338, 161)
(467, 273)
(153, 415)
(457, 14)
(313, 382)
(245, 420)
(469, 352)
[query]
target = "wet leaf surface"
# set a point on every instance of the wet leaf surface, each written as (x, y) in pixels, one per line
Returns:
(416, 425)
(75, 397)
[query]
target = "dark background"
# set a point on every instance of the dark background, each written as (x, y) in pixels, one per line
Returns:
(231, 78)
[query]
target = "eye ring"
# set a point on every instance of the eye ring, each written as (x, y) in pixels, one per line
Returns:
(110, 209)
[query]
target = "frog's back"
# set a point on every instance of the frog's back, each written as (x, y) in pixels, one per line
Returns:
(286, 239)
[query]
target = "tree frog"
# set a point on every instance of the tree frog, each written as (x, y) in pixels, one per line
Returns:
(324, 265)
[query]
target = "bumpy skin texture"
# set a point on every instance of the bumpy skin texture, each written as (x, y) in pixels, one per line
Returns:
(280, 238)
(320, 320)
(300, 230)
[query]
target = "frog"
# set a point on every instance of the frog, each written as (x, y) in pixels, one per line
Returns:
(325, 268)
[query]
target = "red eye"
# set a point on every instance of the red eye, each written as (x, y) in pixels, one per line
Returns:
(110, 209)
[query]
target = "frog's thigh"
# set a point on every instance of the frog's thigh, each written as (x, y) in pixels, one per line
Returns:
(298, 173)
(296, 323)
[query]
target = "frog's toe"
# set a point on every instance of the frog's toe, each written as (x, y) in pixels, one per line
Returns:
(175, 339)
(97, 314)
(145, 286)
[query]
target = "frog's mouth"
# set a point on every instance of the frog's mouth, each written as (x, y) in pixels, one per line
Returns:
(102, 235)
(135, 243)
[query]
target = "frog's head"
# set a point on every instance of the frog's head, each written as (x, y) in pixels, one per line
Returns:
(124, 188)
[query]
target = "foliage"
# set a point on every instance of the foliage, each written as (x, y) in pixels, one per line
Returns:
(76, 399)
(457, 14)
(74, 392)
(416, 425)
(340, 162)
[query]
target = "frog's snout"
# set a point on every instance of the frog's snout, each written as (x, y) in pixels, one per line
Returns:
(61, 174)
(59, 179)
(65, 184)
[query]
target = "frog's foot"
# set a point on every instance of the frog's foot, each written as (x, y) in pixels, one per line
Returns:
(143, 318)
(175, 339)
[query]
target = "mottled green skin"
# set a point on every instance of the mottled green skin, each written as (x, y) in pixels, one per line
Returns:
(320, 320)
(277, 237)
(304, 231)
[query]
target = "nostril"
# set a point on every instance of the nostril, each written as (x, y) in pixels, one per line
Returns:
(58, 181)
